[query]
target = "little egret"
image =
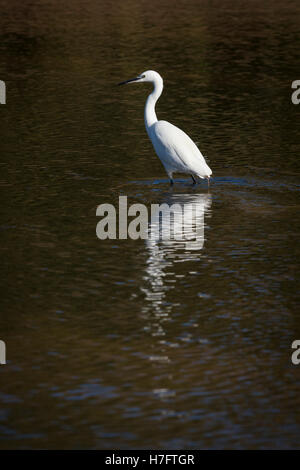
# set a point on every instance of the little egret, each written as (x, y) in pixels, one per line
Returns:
(176, 150)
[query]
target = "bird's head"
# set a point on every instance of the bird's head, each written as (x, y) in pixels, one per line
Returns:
(148, 76)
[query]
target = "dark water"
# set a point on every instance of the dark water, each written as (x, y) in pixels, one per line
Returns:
(136, 343)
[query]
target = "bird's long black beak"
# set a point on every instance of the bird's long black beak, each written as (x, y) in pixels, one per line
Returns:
(128, 81)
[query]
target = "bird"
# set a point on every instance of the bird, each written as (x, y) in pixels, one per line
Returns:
(176, 150)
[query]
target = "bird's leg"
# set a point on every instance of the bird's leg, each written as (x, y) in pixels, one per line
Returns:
(170, 175)
(194, 181)
(208, 179)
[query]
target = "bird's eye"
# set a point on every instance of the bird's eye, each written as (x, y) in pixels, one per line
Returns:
(143, 76)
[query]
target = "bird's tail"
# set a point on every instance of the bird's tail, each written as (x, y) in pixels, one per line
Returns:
(208, 170)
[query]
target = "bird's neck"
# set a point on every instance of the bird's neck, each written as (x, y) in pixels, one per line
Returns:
(150, 115)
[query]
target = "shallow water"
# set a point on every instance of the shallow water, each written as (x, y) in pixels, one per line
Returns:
(149, 343)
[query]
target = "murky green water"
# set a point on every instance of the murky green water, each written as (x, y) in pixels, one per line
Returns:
(139, 344)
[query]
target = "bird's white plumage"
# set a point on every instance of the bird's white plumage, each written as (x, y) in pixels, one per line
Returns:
(176, 150)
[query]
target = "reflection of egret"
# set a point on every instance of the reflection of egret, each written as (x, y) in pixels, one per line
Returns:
(176, 150)
(166, 247)
(180, 220)
(185, 244)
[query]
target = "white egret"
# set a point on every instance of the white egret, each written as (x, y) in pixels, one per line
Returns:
(177, 152)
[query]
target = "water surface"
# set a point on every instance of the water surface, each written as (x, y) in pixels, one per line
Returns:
(146, 343)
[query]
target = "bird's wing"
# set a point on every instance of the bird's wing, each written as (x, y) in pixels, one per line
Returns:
(177, 146)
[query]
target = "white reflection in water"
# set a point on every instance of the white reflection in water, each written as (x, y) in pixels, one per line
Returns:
(184, 245)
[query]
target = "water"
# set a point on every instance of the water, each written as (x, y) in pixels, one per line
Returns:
(138, 343)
